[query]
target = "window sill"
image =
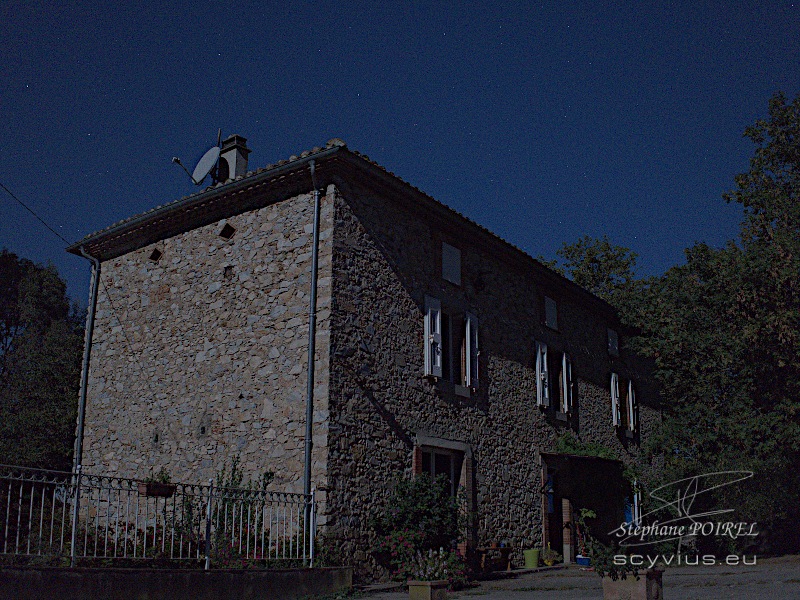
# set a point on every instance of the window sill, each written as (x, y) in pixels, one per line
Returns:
(562, 416)
(629, 434)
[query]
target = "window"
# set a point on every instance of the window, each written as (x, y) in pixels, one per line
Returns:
(556, 369)
(433, 337)
(631, 404)
(451, 263)
(443, 461)
(542, 376)
(616, 417)
(227, 231)
(565, 392)
(613, 343)
(550, 313)
(156, 255)
(451, 345)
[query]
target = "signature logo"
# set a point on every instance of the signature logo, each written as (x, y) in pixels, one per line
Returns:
(678, 497)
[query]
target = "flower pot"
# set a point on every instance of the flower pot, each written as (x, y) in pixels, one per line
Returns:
(427, 590)
(531, 558)
(549, 562)
(159, 490)
(649, 586)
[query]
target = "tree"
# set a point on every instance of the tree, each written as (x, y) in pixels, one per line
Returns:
(41, 341)
(604, 269)
(724, 332)
(608, 271)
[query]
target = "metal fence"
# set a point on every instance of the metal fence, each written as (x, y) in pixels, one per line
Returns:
(81, 517)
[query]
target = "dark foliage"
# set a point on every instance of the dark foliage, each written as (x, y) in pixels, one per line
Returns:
(41, 340)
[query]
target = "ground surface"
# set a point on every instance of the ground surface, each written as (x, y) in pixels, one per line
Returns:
(769, 579)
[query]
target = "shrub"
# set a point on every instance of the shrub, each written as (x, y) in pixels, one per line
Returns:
(420, 515)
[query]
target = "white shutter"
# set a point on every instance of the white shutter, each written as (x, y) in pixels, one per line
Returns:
(631, 407)
(566, 383)
(471, 359)
(542, 381)
(615, 412)
(433, 337)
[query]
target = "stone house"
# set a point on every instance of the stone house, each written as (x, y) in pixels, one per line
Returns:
(440, 348)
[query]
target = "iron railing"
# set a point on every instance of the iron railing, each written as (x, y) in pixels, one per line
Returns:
(79, 517)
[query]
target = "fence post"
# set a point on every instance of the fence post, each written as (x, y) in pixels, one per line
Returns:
(75, 510)
(208, 523)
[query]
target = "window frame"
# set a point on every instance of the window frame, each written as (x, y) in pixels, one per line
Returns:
(451, 263)
(616, 415)
(631, 407)
(456, 458)
(550, 308)
(542, 376)
(613, 341)
(567, 384)
(452, 354)
(433, 354)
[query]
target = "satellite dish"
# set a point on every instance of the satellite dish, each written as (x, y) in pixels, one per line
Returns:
(205, 165)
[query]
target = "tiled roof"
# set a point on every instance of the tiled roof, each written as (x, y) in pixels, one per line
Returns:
(333, 146)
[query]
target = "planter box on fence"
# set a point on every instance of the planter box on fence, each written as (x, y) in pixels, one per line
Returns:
(427, 590)
(158, 490)
(649, 586)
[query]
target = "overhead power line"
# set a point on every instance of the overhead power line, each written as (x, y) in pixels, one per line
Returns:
(30, 210)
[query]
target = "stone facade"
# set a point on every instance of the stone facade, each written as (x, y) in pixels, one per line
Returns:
(200, 350)
(385, 262)
(201, 356)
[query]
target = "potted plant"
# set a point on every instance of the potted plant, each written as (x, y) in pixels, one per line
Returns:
(531, 557)
(582, 534)
(432, 573)
(622, 579)
(157, 485)
(550, 556)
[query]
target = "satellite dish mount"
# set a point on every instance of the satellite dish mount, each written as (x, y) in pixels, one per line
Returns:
(208, 164)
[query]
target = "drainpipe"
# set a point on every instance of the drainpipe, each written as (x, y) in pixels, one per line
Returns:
(312, 329)
(87, 349)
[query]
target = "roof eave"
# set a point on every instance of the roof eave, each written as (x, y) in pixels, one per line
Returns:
(98, 239)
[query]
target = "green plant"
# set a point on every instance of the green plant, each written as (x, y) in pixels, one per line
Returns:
(401, 547)
(582, 530)
(606, 560)
(235, 478)
(440, 565)
(570, 444)
(161, 477)
(419, 515)
(423, 505)
(550, 555)
(237, 544)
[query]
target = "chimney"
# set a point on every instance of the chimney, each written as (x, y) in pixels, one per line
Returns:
(232, 158)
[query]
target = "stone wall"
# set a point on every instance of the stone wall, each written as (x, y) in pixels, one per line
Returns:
(386, 259)
(201, 356)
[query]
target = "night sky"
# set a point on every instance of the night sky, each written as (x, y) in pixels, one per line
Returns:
(541, 122)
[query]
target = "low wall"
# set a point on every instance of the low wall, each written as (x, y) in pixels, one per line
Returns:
(23, 583)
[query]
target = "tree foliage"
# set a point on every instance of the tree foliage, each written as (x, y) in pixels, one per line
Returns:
(602, 268)
(724, 331)
(41, 339)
